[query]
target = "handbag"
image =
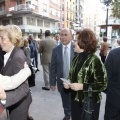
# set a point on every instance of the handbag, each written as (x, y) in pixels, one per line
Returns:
(31, 79)
(88, 109)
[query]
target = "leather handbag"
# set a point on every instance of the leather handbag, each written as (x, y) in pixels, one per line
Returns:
(31, 79)
(88, 109)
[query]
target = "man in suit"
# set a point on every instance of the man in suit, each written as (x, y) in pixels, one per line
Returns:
(57, 38)
(45, 49)
(112, 64)
(57, 69)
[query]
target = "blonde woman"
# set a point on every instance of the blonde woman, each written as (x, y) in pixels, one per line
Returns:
(17, 101)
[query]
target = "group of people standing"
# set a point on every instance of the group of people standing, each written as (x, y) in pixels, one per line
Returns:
(83, 68)
(75, 61)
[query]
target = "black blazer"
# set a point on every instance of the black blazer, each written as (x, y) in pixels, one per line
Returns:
(112, 65)
(1, 58)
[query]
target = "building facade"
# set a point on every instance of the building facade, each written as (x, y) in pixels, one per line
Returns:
(70, 13)
(92, 16)
(79, 14)
(32, 16)
(74, 14)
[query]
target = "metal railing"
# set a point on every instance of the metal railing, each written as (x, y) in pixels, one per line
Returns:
(22, 7)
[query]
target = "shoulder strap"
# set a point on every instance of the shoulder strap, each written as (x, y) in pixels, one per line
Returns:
(90, 91)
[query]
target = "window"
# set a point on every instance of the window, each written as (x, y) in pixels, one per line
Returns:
(50, 10)
(29, 2)
(5, 22)
(30, 21)
(40, 23)
(58, 25)
(56, 13)
(47, 24)
(0, 7)
(17, 21)
(36, 7)
(44, 8)
(19, 2)
(63, 25)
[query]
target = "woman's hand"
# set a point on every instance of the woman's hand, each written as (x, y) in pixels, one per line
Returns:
(66, 86)
(76, 86)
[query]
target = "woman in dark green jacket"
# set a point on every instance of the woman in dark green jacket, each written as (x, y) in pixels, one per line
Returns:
(87, 69)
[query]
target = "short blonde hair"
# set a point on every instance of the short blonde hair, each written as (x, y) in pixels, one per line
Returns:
(14, 34)
(26, 43)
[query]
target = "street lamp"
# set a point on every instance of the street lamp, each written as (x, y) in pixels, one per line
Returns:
(107, 3)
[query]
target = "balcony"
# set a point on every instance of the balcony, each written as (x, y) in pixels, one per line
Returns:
(22, 7)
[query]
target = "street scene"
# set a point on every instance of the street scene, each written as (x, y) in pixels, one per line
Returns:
(59, 40)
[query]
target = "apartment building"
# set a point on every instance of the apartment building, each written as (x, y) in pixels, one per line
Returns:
(56, 11)
(32, 16)
(79, 14)
(74, 14)
(70, 13)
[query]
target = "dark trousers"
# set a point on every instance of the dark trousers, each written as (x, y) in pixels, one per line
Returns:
(103, 59)
(66, 101)
(76, 110)
(36, 60)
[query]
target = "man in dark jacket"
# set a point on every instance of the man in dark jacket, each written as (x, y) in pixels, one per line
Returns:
(1, 58)
(112, 107)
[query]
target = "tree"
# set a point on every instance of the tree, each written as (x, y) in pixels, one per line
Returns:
(116, 8)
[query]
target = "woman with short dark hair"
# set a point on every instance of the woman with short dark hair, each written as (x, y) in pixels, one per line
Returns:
(87, 69)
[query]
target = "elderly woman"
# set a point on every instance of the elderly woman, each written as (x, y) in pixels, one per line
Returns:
(17, 101)
(87, 69)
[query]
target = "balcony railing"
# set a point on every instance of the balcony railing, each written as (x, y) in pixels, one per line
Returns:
(3, 12)
(22, 7)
